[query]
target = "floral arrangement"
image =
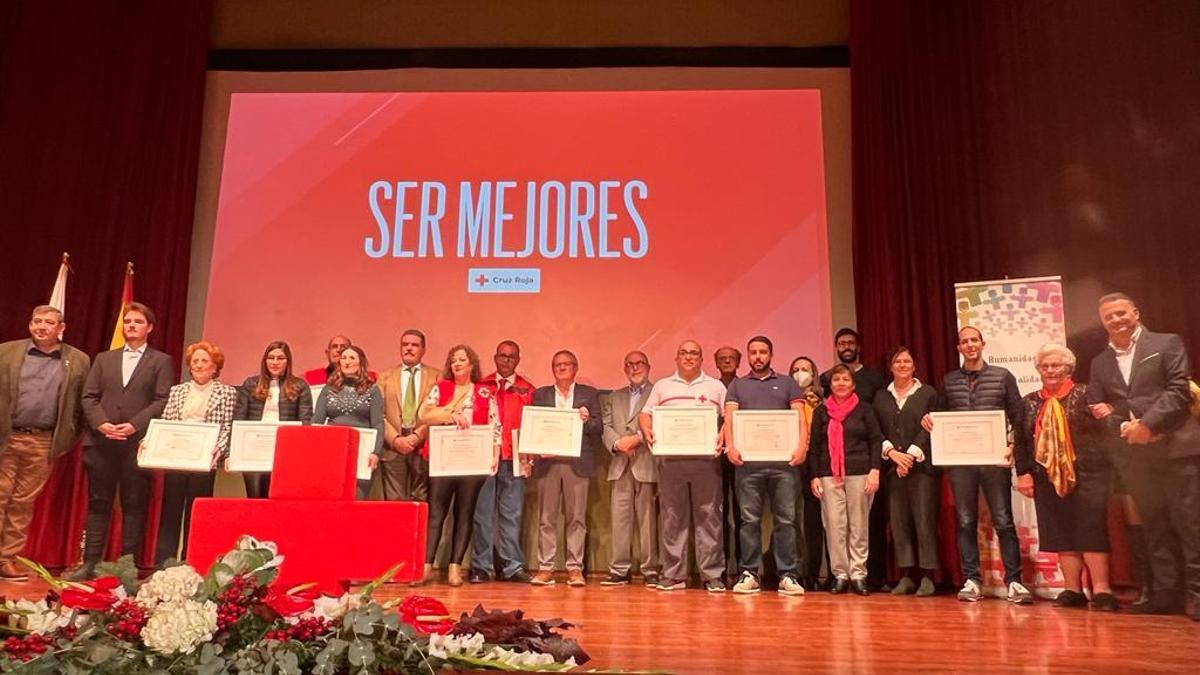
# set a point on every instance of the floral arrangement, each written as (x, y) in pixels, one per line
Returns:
(234, 620)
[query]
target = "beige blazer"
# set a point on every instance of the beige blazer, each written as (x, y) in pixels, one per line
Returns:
(393, 401)
(617, 423)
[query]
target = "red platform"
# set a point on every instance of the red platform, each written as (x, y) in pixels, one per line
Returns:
(324, 535)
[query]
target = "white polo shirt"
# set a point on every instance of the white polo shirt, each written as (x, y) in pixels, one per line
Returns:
(674, 390)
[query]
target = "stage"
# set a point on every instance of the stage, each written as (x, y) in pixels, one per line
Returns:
(691, 631)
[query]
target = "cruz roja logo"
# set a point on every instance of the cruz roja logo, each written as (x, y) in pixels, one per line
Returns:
(504, 280)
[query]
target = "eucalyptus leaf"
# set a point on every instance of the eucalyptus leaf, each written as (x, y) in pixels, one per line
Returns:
(361, 653)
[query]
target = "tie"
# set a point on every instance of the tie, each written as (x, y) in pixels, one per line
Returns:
(409, 411)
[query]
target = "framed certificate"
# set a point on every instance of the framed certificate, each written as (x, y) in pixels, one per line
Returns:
(551, 431)
(366, 445)
(252, 445)
(766, 435)
(179, 446)
(460, 452)
(969, 438)
(684, 430)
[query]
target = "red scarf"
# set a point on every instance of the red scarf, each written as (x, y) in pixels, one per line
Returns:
(838, 412)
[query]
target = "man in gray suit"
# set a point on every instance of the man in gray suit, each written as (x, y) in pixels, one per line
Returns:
(633, 475)
(126, 388)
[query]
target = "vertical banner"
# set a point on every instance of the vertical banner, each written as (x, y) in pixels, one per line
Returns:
(1016, 317)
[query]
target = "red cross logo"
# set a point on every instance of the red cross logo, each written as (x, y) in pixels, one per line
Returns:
(702, 398)
(481, 280)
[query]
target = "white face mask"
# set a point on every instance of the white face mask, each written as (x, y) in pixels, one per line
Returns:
(803, 378)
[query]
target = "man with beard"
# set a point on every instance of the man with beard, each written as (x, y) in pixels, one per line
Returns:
(867, 381)
(764, 389)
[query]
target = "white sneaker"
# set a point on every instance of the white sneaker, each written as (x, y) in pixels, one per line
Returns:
(746, 584)
(1018, 594)
(971, 591)
(789, 586)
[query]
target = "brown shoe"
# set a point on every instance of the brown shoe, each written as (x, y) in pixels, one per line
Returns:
(454, 575)
(575, 578)
(543, 578)
(10, 571)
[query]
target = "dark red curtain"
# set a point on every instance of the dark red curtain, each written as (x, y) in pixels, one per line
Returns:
(100, 115)
(1023, 138)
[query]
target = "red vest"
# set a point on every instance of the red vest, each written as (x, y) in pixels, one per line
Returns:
(482, 394)
(511, 402)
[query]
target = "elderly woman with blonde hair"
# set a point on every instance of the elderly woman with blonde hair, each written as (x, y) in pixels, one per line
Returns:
(1061, 463)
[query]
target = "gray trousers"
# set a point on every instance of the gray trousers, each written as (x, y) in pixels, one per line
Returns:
(405, 477)
(846, 511)
(913, 508)
(561, 481)
(689, 490)
(633, 500)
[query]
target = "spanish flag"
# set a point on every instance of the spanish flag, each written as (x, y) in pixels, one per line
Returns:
(58, 294)
(118, 338)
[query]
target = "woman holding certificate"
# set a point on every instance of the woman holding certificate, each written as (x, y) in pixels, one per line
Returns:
(202, 399)
(273, 395)
(844, 460)
(1062, 464)
(461, 400)
(352, 400)
(914, 485)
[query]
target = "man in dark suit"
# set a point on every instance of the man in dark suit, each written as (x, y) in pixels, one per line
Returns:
(1139, 387)
(125, 389)
(566, 477)
(41, 380)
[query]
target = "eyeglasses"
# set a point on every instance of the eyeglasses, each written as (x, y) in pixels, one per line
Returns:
(506, 356)
(636, 364)
(694, 353)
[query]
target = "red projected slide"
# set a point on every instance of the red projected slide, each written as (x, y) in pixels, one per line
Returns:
(594, 221)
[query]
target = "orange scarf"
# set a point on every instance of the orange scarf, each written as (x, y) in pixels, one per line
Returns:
(1053, 447)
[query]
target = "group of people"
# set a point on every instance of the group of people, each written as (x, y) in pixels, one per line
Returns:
(863, 462)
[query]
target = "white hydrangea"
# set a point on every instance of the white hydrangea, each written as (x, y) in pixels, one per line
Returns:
(174, 583)
(37, 617)
(180, 626)
(445, 646)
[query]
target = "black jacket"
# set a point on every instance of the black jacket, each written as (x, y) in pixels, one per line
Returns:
(593, 430)
(250, 408)
(903, 426)
(862, 439)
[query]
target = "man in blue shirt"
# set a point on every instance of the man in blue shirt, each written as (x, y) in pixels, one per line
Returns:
(759, 480)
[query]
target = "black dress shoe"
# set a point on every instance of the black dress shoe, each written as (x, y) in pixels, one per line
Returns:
(839, 586)
(84, 572)
(859, 586)
(479, 577)
(1105, 602)
(615, 580)
(519, 577)
(651, 579)
(1069, 598)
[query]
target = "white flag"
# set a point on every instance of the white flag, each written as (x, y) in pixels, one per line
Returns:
(58, 294)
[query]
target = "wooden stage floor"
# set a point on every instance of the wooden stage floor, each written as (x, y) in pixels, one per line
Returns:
(696, 632)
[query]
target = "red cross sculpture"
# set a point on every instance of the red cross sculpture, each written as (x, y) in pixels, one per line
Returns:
(324, 535)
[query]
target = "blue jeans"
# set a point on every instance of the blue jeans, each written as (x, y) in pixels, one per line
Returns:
(504, 493)
(996, 483)
(777, 482)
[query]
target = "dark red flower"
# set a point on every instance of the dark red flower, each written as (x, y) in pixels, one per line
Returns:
(96, 595)
(427, 615)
